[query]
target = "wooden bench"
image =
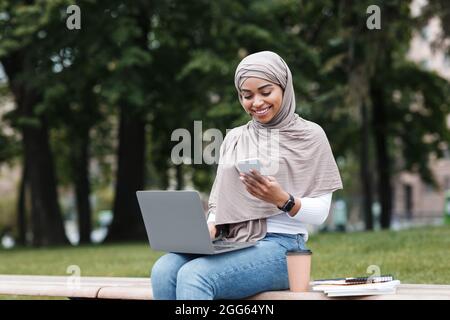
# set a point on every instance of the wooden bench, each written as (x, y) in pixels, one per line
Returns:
(140, 289)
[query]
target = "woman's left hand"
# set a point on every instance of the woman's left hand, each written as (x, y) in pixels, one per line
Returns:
(265, 188)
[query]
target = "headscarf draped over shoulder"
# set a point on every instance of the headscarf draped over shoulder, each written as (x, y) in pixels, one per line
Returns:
(293, 150)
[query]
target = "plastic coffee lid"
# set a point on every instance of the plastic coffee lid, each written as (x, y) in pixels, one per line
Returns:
(299, 252)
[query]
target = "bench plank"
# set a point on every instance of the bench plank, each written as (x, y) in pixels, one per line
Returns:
(48, 290)
(65, 286)
(128, 293)
(140, 289)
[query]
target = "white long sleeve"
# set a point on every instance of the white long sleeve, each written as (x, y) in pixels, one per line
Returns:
(211, 217)
(314, 210)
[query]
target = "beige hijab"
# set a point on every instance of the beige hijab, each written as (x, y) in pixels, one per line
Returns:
(293, 150)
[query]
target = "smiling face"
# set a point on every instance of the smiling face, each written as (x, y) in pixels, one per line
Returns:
(261, 99)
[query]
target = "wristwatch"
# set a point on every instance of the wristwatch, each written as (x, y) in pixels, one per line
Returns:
(290, 203)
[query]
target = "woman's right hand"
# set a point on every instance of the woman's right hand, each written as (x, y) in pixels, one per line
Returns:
(212, 230)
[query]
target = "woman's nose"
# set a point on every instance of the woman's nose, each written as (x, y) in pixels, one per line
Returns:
(257, 102)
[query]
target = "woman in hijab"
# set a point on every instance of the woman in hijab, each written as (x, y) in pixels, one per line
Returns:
(274, 206)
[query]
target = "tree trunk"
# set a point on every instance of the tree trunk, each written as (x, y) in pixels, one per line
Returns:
(48, 227)
(366, 177)
(382, 156)
(47, 223)
(82, 186)
(160, 162)
(127, 223)
(180, 177)
(21, 207)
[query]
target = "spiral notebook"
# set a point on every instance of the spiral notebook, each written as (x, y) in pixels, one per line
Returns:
(356, 286)
(352, 281)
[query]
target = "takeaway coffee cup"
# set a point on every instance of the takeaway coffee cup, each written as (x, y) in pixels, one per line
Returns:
(299, 268)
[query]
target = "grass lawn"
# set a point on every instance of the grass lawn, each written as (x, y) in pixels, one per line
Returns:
(420, 255)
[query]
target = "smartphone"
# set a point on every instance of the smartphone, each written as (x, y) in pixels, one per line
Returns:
(246, 165)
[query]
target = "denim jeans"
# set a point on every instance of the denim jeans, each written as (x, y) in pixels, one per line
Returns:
(231, 275)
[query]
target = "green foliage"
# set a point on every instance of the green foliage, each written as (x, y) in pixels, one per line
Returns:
(421, 102)
(9, 148)
(173, 62)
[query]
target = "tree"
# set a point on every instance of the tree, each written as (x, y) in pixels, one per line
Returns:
(23, 54)
(129, 88)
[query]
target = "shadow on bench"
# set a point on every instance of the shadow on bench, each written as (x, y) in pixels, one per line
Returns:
(140, 289)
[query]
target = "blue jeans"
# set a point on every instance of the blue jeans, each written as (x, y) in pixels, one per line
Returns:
(231, 275)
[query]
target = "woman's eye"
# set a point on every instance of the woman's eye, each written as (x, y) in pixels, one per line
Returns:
(265, 94)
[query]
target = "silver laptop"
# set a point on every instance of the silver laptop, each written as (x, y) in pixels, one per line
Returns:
(175, 222)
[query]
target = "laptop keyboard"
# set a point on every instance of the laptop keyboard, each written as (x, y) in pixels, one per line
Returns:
(219, 248)
(223, 246)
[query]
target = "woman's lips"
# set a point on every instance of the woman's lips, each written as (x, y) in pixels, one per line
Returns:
(262, 112)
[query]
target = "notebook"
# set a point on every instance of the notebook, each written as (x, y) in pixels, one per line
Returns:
(361, 286)
(351, 281)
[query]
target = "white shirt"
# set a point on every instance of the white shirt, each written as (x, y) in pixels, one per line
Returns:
(314, 211)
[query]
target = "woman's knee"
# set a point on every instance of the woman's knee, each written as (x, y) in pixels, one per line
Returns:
(188, 272)
(194, 278)
(166, 267)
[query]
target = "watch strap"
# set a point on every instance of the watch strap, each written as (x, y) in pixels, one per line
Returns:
(289, 204)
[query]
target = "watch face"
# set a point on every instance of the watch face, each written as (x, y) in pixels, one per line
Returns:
(289, 205)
